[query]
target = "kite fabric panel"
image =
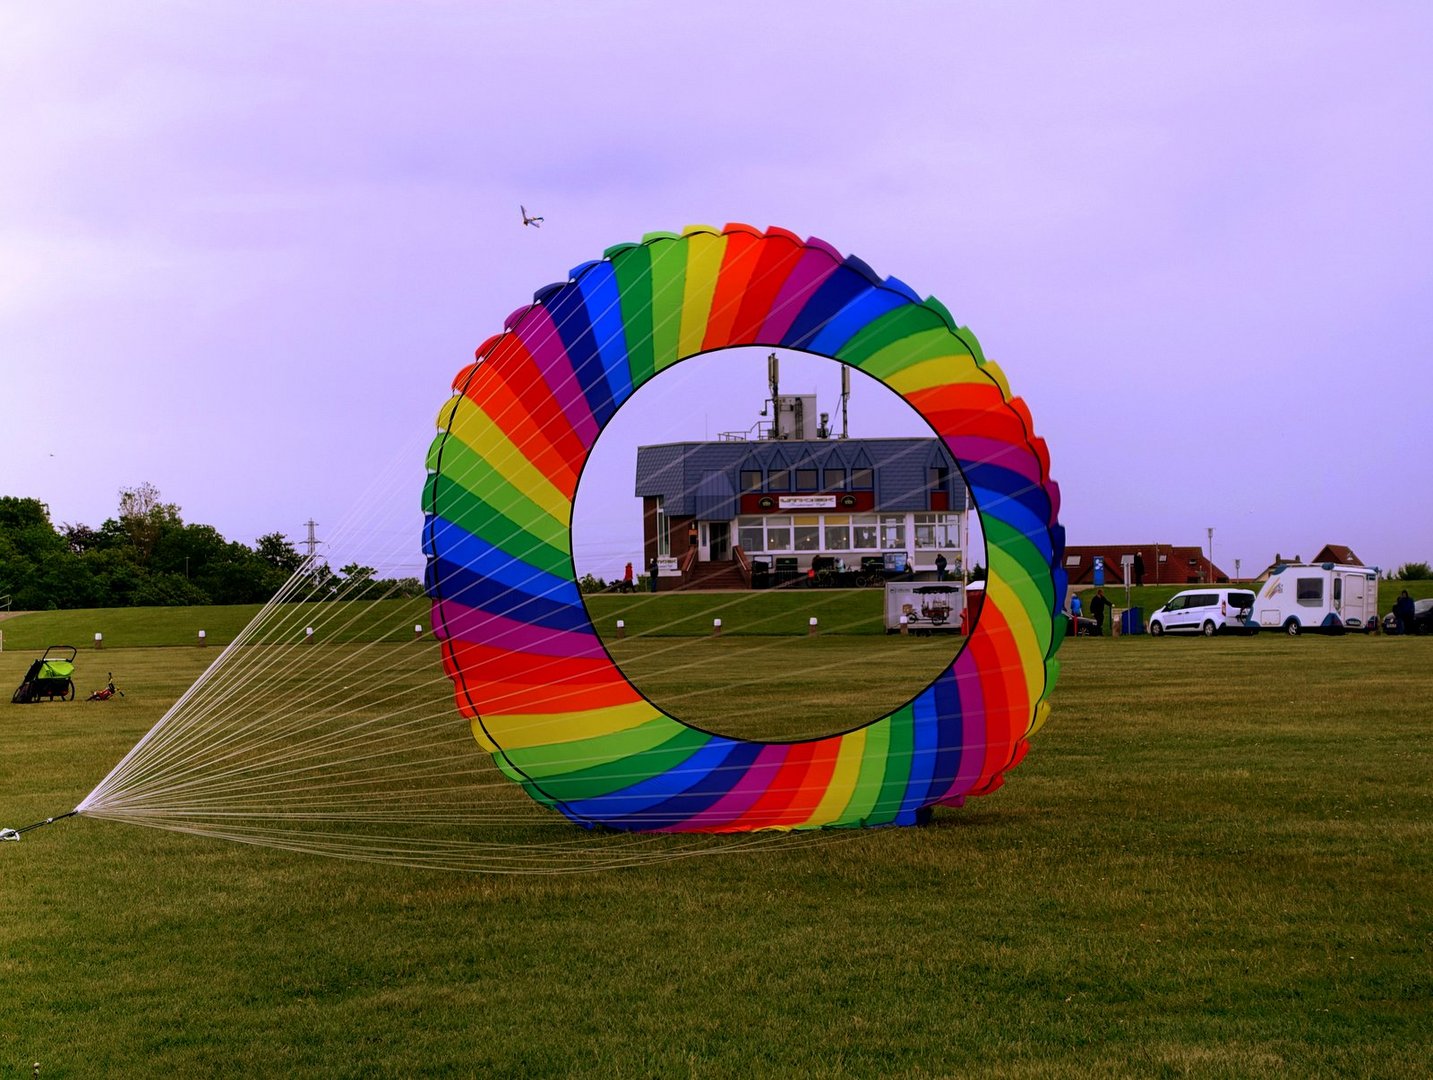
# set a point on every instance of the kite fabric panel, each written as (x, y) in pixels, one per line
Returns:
(529, 672)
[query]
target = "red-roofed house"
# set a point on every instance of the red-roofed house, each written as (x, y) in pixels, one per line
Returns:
(1164, 564)
(1332, 553)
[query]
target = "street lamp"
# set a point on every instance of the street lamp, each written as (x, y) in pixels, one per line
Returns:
(1211, 554)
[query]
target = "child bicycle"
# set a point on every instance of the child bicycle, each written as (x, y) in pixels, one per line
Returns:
(108, 692)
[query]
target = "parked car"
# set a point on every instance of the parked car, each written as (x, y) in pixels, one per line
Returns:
(1207, 612)
(1422, 618)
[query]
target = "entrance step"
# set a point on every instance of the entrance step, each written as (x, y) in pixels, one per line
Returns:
(713, 575)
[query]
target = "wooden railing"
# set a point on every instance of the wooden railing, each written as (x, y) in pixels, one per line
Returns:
(687, 561)
(743, 562)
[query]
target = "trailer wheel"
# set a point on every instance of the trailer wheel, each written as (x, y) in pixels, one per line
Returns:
(1292, 628)
(70, 691)
(1156, 629)
(1209, 628)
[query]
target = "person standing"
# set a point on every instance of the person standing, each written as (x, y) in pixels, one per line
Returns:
(1098, 607)
(1403, 612)
(627, 585)
(1139, 568)
(652, 568)
(940, 565)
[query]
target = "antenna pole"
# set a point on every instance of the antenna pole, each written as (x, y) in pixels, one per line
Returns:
(845, 397)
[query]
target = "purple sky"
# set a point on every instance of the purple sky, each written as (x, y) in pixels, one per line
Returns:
(246, 246)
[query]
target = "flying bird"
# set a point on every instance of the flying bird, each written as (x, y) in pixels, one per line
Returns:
(535, 222)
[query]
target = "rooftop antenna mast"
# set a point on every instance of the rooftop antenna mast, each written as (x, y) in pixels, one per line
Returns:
(845, 397)
(773, 379)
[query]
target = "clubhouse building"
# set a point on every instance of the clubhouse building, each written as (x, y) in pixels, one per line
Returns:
(742, 513)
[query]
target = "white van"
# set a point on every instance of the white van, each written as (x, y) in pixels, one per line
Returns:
(1206, 611)
(1327, 597)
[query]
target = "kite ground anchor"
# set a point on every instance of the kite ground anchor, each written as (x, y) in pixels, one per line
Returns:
(15, 834)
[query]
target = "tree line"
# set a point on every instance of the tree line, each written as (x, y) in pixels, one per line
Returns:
(148, 556)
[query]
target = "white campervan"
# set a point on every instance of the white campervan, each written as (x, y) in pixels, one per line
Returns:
(1206, 611)
(1328, 598)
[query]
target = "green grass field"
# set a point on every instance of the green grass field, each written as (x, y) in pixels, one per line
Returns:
(1214, 862)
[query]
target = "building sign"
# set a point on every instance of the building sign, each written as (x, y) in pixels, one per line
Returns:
(858, 501)
(667, 566)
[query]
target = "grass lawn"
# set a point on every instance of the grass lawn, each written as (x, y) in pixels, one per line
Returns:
(768, 612)
(1214, 862)
(138, 626)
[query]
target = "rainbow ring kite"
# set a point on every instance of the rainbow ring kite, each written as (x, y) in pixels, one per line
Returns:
(531, 676)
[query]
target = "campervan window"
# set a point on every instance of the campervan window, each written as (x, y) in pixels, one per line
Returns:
(1337, 590)
(1310, 589)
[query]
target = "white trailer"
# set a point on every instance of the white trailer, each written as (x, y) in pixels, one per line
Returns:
(927, 606)
(1327, 598)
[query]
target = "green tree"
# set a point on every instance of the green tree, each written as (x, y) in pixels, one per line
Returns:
(167, 590)
(144, 518)
(404, 588)
(1415, 571)
(36, 564)
(276, 550)
(358, 582)
(81, 538)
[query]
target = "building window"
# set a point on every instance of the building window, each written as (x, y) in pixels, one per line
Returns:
(893, 533)
(778, 533)
(750, 480)
(864, 532)
(833, 480)
(863, 479)
(932, 531)
(749, 536)
(778, 480)
(805, 479)
(808, 533)
(664, 541)
(838, 532)
(939, 477)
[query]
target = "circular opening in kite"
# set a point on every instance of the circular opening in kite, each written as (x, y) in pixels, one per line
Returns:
(811, 540)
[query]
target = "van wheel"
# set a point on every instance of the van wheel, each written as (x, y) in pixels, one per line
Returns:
(1156, 629)
(1292, 628)
(1209, 628)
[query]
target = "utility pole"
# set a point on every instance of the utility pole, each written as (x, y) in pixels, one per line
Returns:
(313, 541)
(1211, 554)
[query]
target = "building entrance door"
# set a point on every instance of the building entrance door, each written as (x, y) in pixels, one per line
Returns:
(718, 540)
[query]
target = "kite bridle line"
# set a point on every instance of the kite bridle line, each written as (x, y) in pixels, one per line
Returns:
(15, 834)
